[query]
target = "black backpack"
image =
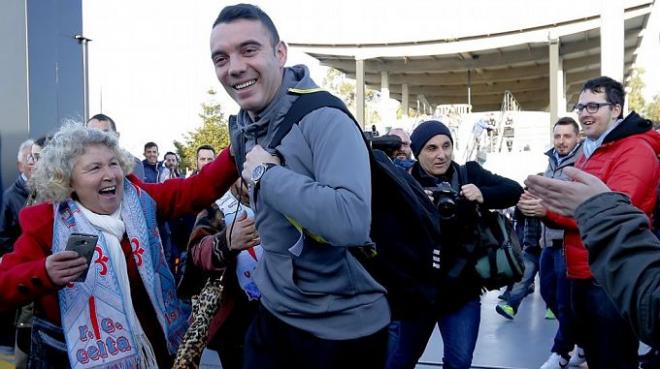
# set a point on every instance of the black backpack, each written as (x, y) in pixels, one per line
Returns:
(405, 256)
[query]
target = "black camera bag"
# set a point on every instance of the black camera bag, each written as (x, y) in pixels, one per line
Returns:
(498, 255)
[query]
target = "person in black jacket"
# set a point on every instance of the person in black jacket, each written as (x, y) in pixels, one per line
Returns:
(457, 312)
(13, 200)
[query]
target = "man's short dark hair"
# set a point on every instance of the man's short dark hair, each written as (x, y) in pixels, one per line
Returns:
(149, 145)
(104, 118)
(42, 141)
(250, 12)
(171, 153)
(614, 93)
(565, 121)
(204, 147)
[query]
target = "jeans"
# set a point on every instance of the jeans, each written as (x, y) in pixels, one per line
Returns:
(607, 339)
(48, 350)
(459, 331)
(555, 290)
(519, 290)
(272, 344)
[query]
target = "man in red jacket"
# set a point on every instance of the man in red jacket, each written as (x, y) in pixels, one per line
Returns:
(623, 153)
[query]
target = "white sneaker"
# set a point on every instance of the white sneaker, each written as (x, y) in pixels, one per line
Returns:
(578, 358)
(555, 361)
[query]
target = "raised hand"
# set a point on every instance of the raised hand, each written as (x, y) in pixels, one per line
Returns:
(243, 234)
(564, 197)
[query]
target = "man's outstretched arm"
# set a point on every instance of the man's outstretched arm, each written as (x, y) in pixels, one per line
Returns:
(624, 254)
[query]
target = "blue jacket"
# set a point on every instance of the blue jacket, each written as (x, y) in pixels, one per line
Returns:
(13, 200)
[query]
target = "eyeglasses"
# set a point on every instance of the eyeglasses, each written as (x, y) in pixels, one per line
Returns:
(34, 157)
(592, 107)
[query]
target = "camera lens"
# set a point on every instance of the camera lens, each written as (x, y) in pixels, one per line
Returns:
(446, 207)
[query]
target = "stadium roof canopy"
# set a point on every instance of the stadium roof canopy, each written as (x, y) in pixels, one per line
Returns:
(514, 59)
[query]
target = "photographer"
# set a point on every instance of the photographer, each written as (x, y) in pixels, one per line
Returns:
(458, 311)
(396, 145)
(403, 155)
(389, 144)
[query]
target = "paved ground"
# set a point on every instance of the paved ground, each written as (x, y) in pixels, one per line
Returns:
(522, 343)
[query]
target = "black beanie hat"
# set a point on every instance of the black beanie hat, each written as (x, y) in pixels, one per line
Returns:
(425, 131)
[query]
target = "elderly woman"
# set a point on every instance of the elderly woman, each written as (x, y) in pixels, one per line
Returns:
(124, 312)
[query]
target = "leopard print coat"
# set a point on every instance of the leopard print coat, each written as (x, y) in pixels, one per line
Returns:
(204, 307)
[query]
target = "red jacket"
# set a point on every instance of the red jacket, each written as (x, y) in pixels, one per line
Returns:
(627, 162)
(23, 276)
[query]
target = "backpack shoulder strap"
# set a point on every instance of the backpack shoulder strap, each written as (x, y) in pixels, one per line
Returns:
(237, 146)
(307, 102)
(462, 174)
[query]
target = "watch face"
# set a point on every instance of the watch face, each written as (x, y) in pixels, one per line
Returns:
(257, 172)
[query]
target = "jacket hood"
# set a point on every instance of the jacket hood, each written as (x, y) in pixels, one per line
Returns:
(634, 124)
(21, 186)
(653, 138)
(263, 127)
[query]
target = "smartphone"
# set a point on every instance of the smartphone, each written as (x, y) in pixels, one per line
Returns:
(84, 245)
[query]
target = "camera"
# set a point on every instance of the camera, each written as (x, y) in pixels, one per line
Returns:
(389, 144)
(444, 198)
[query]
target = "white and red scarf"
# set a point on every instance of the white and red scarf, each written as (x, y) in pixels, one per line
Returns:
(98, 319)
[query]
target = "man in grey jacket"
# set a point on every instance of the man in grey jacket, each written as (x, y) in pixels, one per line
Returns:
(319, 306)
(555, 287)
(624, 254)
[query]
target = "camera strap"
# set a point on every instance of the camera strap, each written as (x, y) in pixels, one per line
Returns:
(461, 170)
(469, 245)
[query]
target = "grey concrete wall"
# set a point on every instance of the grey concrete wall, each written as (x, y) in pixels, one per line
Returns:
(41, 74)
(13, 86)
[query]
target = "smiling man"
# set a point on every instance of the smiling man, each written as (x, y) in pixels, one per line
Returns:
(154, 170)
(319, 307)
(555, 287)
(623, 153)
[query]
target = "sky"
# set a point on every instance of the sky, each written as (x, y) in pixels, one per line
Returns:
(150, 66)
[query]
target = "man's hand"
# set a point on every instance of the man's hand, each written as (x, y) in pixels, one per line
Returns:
(472, 193)
(243, 234)
(429, 193)
(563, 197)
(64, 267)
(531, 205)
(255, 157)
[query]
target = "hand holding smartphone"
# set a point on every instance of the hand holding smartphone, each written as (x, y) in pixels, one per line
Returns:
(84, 245)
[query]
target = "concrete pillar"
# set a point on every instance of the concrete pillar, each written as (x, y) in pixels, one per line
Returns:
(469, 87)
(385, 85)
(425, 106)
(404, 99)
(612, 39)
(359, 93)
(556, 73)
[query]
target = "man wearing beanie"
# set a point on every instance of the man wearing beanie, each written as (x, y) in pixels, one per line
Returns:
(457, 312)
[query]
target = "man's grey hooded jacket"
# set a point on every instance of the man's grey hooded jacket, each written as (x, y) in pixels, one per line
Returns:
(325, 186)
(556, 170)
